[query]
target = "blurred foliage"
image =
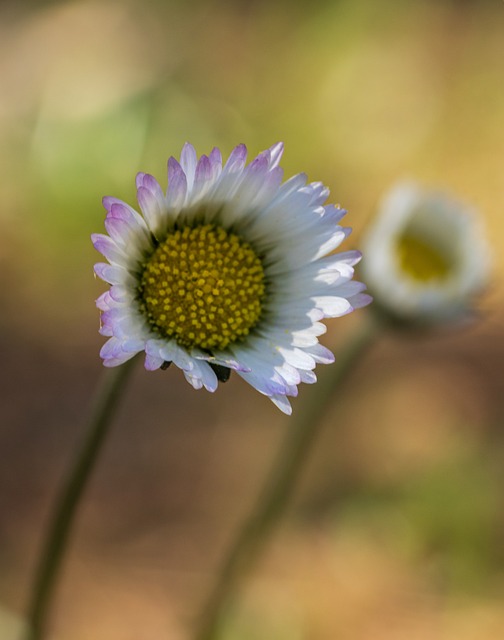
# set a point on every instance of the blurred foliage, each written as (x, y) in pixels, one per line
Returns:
(447, 518)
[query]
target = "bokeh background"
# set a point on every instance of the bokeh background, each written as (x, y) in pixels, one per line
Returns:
(397, 529)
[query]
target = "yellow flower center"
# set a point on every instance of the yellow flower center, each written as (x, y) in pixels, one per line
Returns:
(421, 260)
(203, 287)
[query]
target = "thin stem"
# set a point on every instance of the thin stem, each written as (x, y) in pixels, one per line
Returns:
(280, 484)
(63, 515)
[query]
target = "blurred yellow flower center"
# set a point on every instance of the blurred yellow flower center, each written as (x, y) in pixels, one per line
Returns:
(420, 260)
(203, 287)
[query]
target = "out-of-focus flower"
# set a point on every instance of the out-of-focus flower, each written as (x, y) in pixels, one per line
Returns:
(229, 269)
(426, 256)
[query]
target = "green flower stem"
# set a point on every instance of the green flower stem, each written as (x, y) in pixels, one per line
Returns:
(279, 486)
(60, 524)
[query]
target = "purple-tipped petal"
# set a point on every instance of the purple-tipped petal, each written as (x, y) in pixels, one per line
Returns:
(105, 301)
(119, 209)
(153, 362)
(237, 159)
(308, 377)
(119, 212)
(109, 201)
(258, 167)
(118, 230)
(321, 354)
(108, 248)
(152, 201)
(150, 183)
(202, 176)
(111, 349)
(177, 185)
(109, 273)
(116, 362)
(360, 300)
(105, 330)
(113, 315)
(215, 158)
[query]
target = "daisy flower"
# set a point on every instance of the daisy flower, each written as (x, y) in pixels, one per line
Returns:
(229, 269)
(426, 256)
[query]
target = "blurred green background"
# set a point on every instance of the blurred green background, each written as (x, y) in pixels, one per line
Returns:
(398, 527)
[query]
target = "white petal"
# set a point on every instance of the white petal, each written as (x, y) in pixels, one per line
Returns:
(188, 162)
(113, 274)
(222, 359)
(308, 377)
(297, 357)
(276, 153)
(152, 209)
(321, 354)
(332, 306)
(202, 375)
(121, 294)
(282, 403)
(171, 352)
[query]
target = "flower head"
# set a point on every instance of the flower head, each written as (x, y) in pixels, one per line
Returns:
(229, 269)
(426, 256)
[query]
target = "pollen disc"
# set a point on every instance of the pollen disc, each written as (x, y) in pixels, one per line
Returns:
(203, 287)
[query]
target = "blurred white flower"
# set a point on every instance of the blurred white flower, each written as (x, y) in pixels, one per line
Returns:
(425, 256)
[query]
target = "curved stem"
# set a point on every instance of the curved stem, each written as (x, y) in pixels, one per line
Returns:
(63, 515)
(280, 484)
